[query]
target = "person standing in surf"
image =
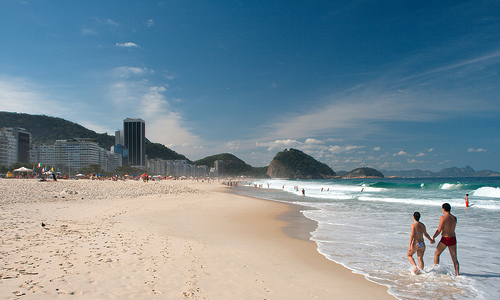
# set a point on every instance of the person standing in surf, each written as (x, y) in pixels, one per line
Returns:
(447, 224)
(417, 244)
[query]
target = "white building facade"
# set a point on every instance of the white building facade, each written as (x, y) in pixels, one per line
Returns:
(175, 168)
(75, 154)
(14, 145)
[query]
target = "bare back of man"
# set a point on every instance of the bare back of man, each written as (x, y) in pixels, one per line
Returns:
(447, 224)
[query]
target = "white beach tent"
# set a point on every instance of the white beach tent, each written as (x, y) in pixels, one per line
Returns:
(23, 169)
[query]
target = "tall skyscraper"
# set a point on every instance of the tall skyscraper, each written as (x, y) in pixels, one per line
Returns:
(134, 137)
(119, 137)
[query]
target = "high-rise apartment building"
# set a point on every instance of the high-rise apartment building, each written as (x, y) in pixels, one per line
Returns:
(75, 154)
(134, 137)
(14, 145)
(119, 137)
(219, 167)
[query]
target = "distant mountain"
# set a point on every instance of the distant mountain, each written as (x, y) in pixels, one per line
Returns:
(295, 164)
(448, 172)
(232, 164)
(456, 172)
(364, 173)
(157, 150)
(408, 173)
(46, 130)
(341, 173)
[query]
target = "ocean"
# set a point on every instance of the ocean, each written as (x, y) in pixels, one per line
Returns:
(364, 224)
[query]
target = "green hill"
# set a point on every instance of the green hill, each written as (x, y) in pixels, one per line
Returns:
(295, 164)
(232, 164)
(364, 173)
(46, 130)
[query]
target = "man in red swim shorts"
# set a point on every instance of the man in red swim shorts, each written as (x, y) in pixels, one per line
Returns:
(447, 224)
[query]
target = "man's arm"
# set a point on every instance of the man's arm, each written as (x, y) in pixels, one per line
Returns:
(440, 228)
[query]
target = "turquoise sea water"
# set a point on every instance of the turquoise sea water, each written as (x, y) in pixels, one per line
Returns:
(365, 226)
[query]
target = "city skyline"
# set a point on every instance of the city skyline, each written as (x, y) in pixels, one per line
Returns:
(388, 85)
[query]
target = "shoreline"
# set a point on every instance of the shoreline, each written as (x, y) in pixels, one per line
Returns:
(298, 226)
(193, 240)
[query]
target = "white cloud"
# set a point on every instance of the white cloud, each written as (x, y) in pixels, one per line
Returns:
(233, 146)
(339, 149)
(414, 161)
(279, 144)
(113, 23)
(126, 71)
(313, 142)
(431, 149)
(150, 23)
(127, 45)
(400, 153)
(376, 149)
(354, 116)
(477, 150)
(163, 124)
(421, 154)
(88, 31)
(168, 74)
(372, 107)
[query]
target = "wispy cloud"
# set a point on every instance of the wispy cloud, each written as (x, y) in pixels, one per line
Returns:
(112, 23)
(127, 45)
(150, 23)
(477, 150)
(22, 95)
(127, 71)
(369, 106)
(318, 148)
(460, 64)
(88, 31)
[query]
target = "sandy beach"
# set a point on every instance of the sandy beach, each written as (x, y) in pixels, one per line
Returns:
(160, 240)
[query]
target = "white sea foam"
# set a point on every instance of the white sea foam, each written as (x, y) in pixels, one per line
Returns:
(451, 186)
(487, 192)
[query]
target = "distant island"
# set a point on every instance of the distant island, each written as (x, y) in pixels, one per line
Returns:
(363, 173)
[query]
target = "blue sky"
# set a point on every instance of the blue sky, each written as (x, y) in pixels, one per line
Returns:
(393, 85)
